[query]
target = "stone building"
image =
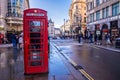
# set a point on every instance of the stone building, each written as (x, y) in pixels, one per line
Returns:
(103, 17)
(77, 14)
(65, 28)
(11, 14)
(51, 28)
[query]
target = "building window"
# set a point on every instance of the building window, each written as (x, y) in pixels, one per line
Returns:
(91, 17)
(105, 1)
(107, 11)
(97, 15)
(91, 5)
(84, 8)
(104, 13)
(97, 2)
(115, 9)
(85, 19)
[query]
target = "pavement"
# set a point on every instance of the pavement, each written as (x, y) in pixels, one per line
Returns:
(12, 66)
(107, 47)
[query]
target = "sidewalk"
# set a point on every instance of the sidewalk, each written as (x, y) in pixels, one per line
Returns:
(6, 45)
(12, 66)
(108, 47)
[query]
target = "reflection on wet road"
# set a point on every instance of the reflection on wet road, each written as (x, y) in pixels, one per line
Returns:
(101, 64)
(9, 58)
(12, 66)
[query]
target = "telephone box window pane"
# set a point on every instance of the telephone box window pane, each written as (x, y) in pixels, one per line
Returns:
(36, 63)
(35, 35)
(34, 29)
(35, 23)
(34, 56)
(35, 46)
(36, 51)
(34, 40)
(35, 26)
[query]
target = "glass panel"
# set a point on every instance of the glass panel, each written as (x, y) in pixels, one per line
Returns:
(35, 23)
(35, 46)
(34, 56)
(35, 26)
(34, 40)
(36, 63)
(34, 35)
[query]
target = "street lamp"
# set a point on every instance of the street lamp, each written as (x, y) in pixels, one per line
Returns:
(78, 18)
(64, 28)
(79, 26)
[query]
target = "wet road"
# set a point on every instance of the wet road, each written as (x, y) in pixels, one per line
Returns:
(101, 64)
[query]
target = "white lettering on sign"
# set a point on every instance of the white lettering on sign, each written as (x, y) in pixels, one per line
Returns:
(35, 14)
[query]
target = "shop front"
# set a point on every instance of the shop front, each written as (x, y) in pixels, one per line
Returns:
(104, 31)
(114, 29)
(97, 32)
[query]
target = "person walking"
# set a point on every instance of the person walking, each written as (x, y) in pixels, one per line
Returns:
(13, 38)
(91, 37)
(108, 39)
(20, 42)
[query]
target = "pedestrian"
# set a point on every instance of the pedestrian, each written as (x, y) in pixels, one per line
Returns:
(21, 42)
(108, 39)
(13, 38)
(80, 37)
(5, 40)
(91, 37)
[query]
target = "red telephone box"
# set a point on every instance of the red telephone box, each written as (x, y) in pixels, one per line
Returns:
(35, 41)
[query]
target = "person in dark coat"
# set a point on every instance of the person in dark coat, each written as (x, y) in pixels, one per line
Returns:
(14, 40)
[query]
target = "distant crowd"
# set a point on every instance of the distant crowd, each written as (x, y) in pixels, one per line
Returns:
(15, 39)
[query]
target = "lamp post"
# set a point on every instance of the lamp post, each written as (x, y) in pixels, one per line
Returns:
(71, 30)
(64, 28)
(79, 29)
(80, 19)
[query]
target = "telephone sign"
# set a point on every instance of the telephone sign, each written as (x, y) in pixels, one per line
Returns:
(35, 41)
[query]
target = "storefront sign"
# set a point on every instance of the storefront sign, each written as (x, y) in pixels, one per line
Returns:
(114, 18)
(34, 14)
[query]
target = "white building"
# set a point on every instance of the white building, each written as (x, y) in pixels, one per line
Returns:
(65, 28)
(11, 14)
(57, 32)
(51, 28)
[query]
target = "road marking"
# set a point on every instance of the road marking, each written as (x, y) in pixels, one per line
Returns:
(86, 74)
(80, 70)
(70, 60)
(75, 65)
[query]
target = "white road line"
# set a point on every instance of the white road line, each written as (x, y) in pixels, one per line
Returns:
(86, 74)
(81, 70)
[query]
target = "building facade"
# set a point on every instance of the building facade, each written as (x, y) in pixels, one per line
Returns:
(11, 14)
(51, 28)
(65, 28)
(103, 17)
(57, 32)
(77, 14)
